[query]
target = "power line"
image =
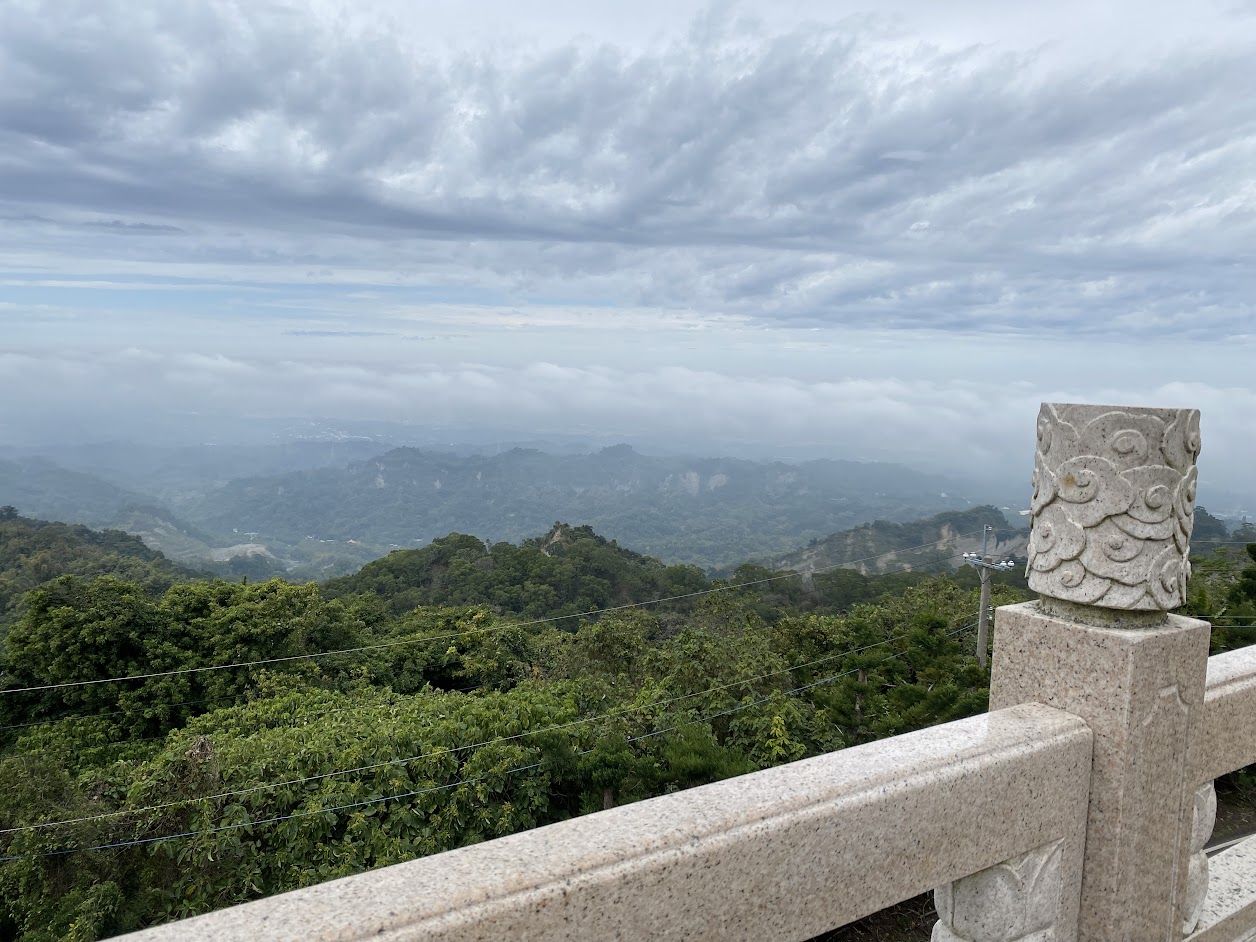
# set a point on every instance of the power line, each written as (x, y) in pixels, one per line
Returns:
(450, 749)
(296, 714)
(137, 709)
(434, 638)
(423, 791)
(524, 624)
(236, 696)
(274, 820)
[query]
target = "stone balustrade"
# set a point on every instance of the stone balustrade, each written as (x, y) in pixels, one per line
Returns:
(1077, 810)
(1227, 739)
(785, 853)
(1227, 742)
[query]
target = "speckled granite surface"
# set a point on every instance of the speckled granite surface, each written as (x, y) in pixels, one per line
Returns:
(1141, 691)
(781, 854)
(1229, 913)
(1227, 738)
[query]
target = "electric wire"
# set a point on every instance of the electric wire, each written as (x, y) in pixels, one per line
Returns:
(446, 637)
(423, 791)
(814, 683)
(236, 697)
(264, 821)
(331, 711)
(449, 750)
(260, 662)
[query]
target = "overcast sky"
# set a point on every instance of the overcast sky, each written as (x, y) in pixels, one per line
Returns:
(786, 223)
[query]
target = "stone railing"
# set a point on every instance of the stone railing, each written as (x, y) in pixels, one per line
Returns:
(1227, 741)
(785, 853)
(1077, 809)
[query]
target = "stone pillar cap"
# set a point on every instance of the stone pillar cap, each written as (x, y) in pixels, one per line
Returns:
(1113, 505)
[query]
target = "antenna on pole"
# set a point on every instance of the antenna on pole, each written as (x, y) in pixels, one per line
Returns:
(985, 565)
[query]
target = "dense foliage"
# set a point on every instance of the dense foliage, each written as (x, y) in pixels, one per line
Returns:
(33, 552)
(1223, 591)
(439, 697)
(457, 723)
(569, 571)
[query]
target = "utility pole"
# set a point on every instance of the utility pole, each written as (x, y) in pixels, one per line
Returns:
(985, 565)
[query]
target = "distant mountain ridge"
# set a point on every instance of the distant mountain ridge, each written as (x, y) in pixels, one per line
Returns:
(40, 488)
(326, 521)
(933, 544)
(707, 511)
(170, 474)
(33, 552)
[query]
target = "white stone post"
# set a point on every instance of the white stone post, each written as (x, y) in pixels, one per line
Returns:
(1113, 505)
(1019, 900)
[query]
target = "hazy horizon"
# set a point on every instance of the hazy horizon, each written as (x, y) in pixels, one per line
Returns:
(793, 229)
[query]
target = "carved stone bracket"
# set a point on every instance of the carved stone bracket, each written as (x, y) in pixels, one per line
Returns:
(1202, 821)
(1015, 901)
(1113, 504)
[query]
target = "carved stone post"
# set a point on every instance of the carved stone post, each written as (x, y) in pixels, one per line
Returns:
(1113, 505)
(1205, 816)
(1015, 901)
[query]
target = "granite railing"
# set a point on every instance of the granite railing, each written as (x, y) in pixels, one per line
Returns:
(785, 853)
(1227, 742)
(1077, 809)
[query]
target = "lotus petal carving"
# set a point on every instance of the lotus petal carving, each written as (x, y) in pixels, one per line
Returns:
(1015, 901)
(1202, 822)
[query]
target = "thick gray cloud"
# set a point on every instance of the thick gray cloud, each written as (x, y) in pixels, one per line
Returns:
(810, 175)
(679, 221)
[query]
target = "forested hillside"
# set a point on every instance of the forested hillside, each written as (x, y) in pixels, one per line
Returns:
(359, 730)
(170, 746)
(568, 571)
(38, 488)
(1223, 591)
(33, 552)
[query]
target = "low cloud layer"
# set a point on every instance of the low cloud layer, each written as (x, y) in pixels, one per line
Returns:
(980, 427)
